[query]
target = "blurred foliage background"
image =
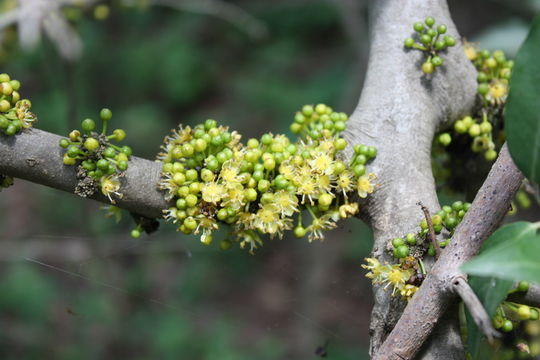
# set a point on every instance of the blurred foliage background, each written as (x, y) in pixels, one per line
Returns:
(74, 285)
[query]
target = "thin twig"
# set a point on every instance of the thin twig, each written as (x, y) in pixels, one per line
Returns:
(476, 309)
(431, 232)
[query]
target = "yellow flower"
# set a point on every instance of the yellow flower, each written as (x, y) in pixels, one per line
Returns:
(170, 214)
(365, 185)
(234, 197)
(397, 278)
(212, 192)
(166, 183)
(306, 184)
(344, 182)
(324, 183)
(319, 225)
(498, 91)
(327, 146)
(408, 291)
(286, 202)
(180, 136)
(390, 275)
(471, 50)
(287, 170)
(376, 270)
(110, 186)
(248, 237)
(268, 221)
(229, 172)
(347, 210)
(22, 108)
(321, 163)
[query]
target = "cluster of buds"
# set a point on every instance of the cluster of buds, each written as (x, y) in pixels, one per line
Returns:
(15, 113)
(267, 185)
(410, 249)
(100, 164)
(494, 72)
(431, 41)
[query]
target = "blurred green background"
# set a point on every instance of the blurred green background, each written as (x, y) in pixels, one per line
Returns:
(74, 285)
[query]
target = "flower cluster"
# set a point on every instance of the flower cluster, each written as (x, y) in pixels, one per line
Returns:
(397, 276)
(100, 164)
(261, 187)
(15, 113)
(494, 72)
(430, 42)
(410, 249)
(508, 313)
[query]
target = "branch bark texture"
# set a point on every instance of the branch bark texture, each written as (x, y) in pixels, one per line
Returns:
(35, 155)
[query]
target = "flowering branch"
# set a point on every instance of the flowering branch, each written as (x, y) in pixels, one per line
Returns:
(436, 293)
(34, 155)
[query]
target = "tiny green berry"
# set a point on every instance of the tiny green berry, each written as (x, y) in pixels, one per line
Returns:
(88, 125)
(371, 152)
(474, 130)
(430, 21)
(91, 144)
(401, 251)
(325, 200)
(102, 164)
(441, 29)
(15, 84)
(396, 242)
(428, 68)
(449, 40)
(534, 314)
(418, 27)
(425, 39)
(445, 139)
(490, 155)
(119, 134)
(63, 142)
(523, 286)
(437, 61)
(483, 88)
(440, 45)
(486, 127)
(460, 127)
(524, 312)
(411, 239)
(135, 233)
(4, 105)
(207, 240)
(11, 130)
(409, 42)
(127, 150)
(300, 231)
(73, 151)
(105, 114)
(481, 77)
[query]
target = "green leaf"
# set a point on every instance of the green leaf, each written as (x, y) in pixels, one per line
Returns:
(491, 291)
(514, 255)
(522, 118)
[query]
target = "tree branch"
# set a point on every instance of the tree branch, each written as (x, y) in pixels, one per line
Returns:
(35, 155)
(398, 112)
(461, 287)
(436, 293)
